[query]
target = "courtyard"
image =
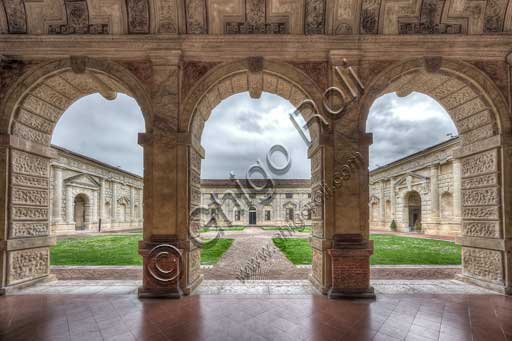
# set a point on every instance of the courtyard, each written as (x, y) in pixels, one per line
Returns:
(132, 132)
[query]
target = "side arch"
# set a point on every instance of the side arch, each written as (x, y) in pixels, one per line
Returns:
(481, 115)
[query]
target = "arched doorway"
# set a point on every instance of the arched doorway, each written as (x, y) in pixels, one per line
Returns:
(81, 215)
(413, 210)
(252, 216)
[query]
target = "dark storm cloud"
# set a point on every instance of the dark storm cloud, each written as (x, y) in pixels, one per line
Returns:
(104, 130)
(403, 126)
(241, 131)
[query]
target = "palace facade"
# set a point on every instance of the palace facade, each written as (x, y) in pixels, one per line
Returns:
(232, 202)
(421, 192)
(91, 196)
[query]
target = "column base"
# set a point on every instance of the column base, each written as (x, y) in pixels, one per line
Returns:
(193, 286)
(350, 267)
(11, 288)
(318, 286)
(174, 293)
(344, 294)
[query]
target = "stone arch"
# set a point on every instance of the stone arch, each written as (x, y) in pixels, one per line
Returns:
(470, 97)
(38, 100)
(481, 115)
(226, 80)
(413, 209)
(28, 116)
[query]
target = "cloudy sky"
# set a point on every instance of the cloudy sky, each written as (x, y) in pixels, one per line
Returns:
(241, 131)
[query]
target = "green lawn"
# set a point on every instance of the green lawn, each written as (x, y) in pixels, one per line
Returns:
(280, 228)
(297, 250)
(118, 249)
(225, 228)
(388, 250)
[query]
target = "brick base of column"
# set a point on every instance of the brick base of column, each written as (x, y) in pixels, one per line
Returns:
(162, 268)
(350, 264)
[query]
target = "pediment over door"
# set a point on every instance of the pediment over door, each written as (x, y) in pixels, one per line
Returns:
(83, 180)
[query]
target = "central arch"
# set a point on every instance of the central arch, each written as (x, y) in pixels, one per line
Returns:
(253, 76)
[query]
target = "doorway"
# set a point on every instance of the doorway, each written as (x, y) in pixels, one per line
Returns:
(252, 216)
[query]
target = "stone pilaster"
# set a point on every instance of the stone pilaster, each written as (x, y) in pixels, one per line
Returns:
(382, 202)
(58, 183)
(101, 208)
(132, 204)
(70, 205)
(392, 195)
(113, 207)
(434, 193)
(457, 188)
(94, 209)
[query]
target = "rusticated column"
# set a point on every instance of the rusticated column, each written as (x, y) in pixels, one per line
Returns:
(25, 232)
(351, 248)
(164, 249)
(485, 237)
(322, 212)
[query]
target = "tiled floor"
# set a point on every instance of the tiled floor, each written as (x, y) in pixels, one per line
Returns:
(256, 287)
(255, 317)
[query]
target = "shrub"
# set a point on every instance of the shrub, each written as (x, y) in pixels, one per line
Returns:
(392, 226)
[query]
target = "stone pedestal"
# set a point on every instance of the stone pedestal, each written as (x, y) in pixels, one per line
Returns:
(350, 267)
(163, 267)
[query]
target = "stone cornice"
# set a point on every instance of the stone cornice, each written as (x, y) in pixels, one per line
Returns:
(224, 48)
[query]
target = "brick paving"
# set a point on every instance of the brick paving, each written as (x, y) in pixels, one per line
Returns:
(243, 254)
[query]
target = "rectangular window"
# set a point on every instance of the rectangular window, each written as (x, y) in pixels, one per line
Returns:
(267, 215)
(308, 217)
(237, 215)
(289, 214)
(252, 195)
(289, 195)
(309, 195)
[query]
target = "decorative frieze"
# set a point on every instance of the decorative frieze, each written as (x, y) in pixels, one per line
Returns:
(484, 264)
(16, 16)
(488, 212)
(314, 17)
(485, 162)
(480, 181)
(30, 181)
(480, 196)
(43, 109)
(475, 121)
(467, 109)
(194, 264)
(26, 196)
(478, 134)
(29, 164)
(25, 265)
(35, 122)
(317, 264)
(138, 16)
(29, 213)
(196, 16)
(28, 229)
(483, 229)
(31, 134)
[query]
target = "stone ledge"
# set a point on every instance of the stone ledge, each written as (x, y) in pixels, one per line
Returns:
(28, 243)
(497, 287)
(483, 243)
(17, 142)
